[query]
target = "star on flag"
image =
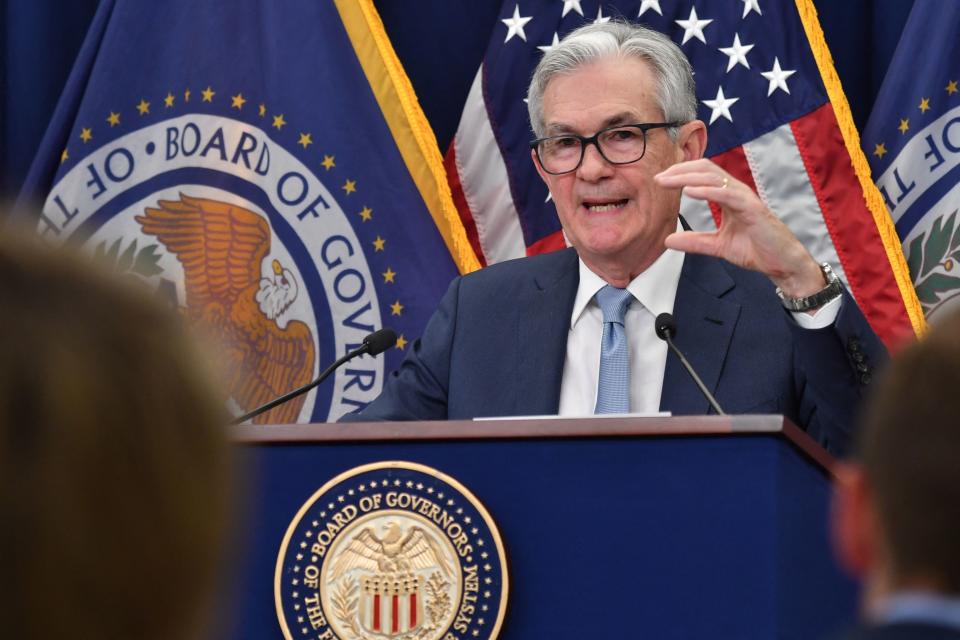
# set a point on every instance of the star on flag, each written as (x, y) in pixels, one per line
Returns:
(720, 106)
(751, 5)
(693, 27)
(555, 42)
(515, 24)
(737, 53)
(647, 5)
(571, 5)
(777, 77)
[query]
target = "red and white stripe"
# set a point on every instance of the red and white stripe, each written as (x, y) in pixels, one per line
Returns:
(481, 186)
(391, 614)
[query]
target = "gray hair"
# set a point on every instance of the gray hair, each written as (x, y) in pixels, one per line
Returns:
(676, 93)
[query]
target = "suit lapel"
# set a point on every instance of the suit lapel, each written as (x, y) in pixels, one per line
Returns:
(705, 324)
(544, 322)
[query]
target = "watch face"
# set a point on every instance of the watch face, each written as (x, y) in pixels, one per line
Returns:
(833, 290)
(828, 273)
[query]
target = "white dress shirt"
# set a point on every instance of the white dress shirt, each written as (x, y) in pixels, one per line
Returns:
(655, 291)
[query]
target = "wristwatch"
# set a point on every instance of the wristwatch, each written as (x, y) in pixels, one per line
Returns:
(832, 291)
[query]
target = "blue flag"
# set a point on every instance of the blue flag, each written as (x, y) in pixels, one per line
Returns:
(265, 165)
(913, 143)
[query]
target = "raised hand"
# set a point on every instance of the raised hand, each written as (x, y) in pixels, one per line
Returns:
(749, 235)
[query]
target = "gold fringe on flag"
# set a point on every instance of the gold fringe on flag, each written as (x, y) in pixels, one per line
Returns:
(851, 137)
(408, 124)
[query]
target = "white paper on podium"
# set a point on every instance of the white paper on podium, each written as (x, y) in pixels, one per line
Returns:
(653, 414)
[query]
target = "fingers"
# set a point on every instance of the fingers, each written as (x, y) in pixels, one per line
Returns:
(750, 235)
(701, 165)
(704, 180)
(693, 176)
(734, 197)
(698, 174)
(703, 242)
(701, 169)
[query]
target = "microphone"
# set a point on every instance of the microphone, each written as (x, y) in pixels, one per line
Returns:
(374, 344)
(378, 342)
(666, 328)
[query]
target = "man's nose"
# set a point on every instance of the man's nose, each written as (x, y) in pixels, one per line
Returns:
(593, 166)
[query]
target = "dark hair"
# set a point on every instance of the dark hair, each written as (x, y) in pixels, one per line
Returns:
(909, 443)
(113, 457)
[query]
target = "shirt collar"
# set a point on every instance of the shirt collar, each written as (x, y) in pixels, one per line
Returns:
(919, 606)
(655, 288)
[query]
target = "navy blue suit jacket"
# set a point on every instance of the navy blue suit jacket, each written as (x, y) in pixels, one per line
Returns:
(497, 343)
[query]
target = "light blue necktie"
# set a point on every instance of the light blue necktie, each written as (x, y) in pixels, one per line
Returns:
(613, 389)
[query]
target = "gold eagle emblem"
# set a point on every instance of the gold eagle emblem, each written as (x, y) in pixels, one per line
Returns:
(221, 247)
(394, 553)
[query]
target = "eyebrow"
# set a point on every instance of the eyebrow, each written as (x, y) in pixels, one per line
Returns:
(624, 117)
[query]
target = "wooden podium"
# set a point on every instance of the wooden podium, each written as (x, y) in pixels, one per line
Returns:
(684, 527)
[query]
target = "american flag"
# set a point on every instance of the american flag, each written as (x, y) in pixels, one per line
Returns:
(776, 116)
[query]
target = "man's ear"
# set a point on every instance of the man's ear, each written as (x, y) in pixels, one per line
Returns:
(693, 140)
(536, 163)
(854, 524)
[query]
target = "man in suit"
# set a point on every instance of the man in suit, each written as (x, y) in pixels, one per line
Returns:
(897, 509)
(614, 112)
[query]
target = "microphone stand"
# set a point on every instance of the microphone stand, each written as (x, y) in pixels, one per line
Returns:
(305, 388)
(665, 326)
(696, 378)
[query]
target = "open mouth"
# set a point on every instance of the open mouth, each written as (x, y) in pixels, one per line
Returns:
(605, 205)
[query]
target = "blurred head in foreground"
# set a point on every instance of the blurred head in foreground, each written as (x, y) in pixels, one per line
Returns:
(113, 457)
(897, 517)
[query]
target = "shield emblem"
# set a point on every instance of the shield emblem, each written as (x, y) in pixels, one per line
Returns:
(391, 605)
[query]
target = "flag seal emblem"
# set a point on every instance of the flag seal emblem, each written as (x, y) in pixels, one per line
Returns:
(247, 239)
(932, 256)
(391, 550)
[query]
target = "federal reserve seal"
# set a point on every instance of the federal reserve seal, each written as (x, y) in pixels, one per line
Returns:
(247, 239)
(391, 550)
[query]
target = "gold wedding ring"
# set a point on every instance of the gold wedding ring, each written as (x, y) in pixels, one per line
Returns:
(725, 181)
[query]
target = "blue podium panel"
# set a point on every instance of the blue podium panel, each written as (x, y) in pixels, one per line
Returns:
(640, 532)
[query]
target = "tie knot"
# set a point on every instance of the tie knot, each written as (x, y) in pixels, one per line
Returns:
(614, 303)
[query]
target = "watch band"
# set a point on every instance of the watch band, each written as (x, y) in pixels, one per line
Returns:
(830, 292)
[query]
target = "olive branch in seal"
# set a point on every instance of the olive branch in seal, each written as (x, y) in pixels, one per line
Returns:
(928, 251)
(143, 262)
(439, 605)
(345, 606)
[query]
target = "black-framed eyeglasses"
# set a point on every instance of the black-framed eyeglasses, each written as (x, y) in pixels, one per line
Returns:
(621, 144)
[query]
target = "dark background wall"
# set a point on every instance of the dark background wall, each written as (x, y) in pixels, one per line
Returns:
(39, 40)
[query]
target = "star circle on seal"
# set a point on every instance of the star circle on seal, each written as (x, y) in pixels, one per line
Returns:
(391, 550)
